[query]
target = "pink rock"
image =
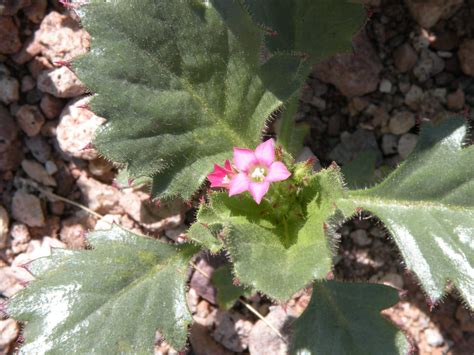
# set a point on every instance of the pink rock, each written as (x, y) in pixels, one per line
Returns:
(9, 330)
(62, 38)
(99, 197)
(77, 126)
(9, 36)
(61, 82)
(51, 106)
(30, 119)
(428, 12)
(37, 172)
(27, 209)
(466, 57)
(139, 207)
(73, 231)
(354, 74)
(20, 236)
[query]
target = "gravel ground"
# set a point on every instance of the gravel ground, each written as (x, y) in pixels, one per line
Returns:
(400, 74)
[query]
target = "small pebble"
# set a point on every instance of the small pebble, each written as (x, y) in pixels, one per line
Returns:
(402, 122)
(51, 167)
(406, 144)
(385, 86)
(434, 337)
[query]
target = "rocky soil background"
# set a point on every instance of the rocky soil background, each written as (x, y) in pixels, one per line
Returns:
(413, 62)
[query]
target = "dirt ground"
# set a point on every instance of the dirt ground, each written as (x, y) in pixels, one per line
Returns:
(412, 62)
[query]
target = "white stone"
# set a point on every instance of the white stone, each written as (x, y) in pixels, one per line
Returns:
(389, 144)
(434, 337)
(77, 126)
(51, 167)
(406, 144)
(385, 86)
(402, 122)
(61, 82)
(27, 209)
(414, 97)
(37, 172)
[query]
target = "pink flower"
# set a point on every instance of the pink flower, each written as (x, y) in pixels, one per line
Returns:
(256, 170)
(221, 175)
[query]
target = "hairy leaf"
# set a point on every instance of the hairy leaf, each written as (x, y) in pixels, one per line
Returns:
(180, 83)
(110, 299)
(344, 318)
(360, 172)
(206, 236)
(290, 134)
(227, 292)
(278, 250)
(318, 28)
(427, 204)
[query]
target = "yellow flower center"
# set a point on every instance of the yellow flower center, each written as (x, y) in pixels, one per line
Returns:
(258, 174)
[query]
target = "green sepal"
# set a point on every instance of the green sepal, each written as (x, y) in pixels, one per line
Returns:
(281, 245)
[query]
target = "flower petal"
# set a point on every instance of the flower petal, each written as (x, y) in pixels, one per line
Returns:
(238, 184)
(228, 166)
(265, 152)
(244, 159)
(277, 172)
(258, 190)
(217, 176)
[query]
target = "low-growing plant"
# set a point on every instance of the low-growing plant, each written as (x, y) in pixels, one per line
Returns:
(187, 87)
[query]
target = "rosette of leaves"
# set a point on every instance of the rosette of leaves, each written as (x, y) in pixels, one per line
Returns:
(181, 83)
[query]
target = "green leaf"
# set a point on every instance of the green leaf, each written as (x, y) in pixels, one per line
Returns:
(124, 180)
(279, 250)
(360, 172)
(318, 28)
(227, 292)
(110, 299)
(290, 135)
(344, 318)
(206, 236)
(181, 84)
(427, 204)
